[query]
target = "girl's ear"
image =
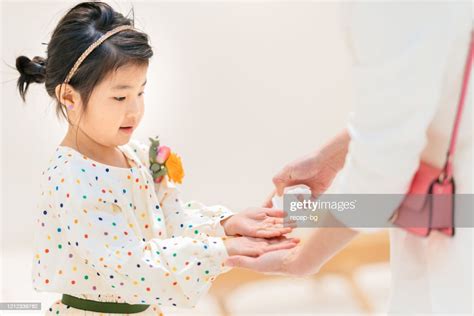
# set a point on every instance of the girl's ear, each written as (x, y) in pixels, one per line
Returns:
(67, 96)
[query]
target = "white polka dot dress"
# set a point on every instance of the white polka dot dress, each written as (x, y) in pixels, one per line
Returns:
(111, 234)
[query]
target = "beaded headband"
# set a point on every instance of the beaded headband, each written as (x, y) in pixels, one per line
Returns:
(93, 46)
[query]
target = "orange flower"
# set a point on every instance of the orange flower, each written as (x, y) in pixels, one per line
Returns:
(175, 168)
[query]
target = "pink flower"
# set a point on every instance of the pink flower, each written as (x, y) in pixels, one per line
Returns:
(163, 154)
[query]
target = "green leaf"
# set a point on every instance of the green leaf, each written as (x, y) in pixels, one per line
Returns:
(153, 152)
(162, 171)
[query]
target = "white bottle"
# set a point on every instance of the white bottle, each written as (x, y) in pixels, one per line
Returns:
(277, 200)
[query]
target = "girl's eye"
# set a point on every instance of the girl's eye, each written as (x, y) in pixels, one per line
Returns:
(123, 98)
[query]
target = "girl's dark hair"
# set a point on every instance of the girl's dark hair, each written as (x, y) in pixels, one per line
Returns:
(76, 31)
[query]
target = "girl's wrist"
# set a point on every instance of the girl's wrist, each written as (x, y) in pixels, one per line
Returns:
(229, 245)
(227, 225)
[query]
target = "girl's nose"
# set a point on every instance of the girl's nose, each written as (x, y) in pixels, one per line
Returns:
(135, 106)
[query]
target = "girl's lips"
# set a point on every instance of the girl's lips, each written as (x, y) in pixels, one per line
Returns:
(126, 129)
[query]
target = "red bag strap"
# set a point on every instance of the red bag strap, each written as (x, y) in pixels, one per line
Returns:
(447, 173)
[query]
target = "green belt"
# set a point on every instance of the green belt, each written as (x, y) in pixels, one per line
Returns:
(102, 307)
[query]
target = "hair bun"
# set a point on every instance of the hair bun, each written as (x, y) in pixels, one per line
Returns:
(33, 70)
(30, 71)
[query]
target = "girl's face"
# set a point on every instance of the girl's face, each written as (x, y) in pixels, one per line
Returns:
(116, 106)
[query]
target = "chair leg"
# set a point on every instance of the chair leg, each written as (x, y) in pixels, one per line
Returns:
(222, 306)
(361, 297)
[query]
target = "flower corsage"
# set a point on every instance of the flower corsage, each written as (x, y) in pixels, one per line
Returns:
(164, 162)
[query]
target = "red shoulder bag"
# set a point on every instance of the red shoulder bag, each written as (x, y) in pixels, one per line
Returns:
(429, 203)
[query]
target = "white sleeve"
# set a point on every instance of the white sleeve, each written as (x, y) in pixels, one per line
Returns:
(184, 218)
(399, 52)
(192, 217)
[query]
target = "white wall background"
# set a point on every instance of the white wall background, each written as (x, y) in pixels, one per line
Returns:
(237, 88)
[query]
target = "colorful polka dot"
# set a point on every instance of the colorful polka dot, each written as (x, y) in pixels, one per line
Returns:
(113, 243)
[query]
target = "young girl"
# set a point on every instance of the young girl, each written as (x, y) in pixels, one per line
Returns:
(110, 238)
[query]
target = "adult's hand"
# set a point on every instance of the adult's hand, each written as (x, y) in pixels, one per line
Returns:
(305, 259)
(316, 170)
(279, 262)
(254, 247)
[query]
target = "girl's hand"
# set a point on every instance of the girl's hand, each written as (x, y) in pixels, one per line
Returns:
(258, 222)
(254, 247)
